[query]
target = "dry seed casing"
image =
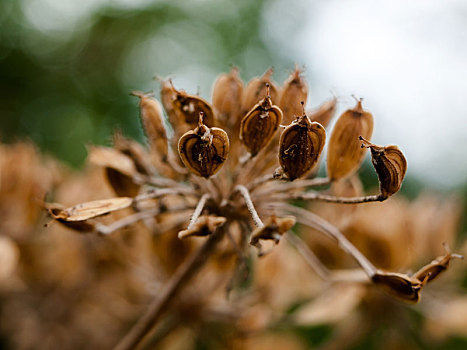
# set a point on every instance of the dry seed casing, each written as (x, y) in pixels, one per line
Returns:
(256, 89)
(437, 266)
(152, 118)
(301, 144)
(274, 227)
(226, 94)
(344, 152)
(259, 125)
(390, 165)
(399, 286)
(324, 113)
(204, 150)
(204, 226)
(188, 107)
(294, 91)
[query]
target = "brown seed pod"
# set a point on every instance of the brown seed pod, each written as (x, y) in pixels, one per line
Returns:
(437, 266)
(344, 152)
(153, 124)
(301, 144)
(390, 165)
(204, 226)
(188, 107)
(273, 229)
(168, 95)
(226, 94)
(400, 286)
(324, 113)
(294, 91)
(259, 125)
(256, 89)
(204, 150)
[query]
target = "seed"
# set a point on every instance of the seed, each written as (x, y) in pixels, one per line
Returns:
(168, 95)
(256, 89)
(390, 165)
(344, 152)
(400, 286)
(294, 91)
(437, 266)
(204, 150)
(301, 144)
(273, 229)
(152, 118)
(204, 226)
(259, 125)
(325, 112)
(226, 94)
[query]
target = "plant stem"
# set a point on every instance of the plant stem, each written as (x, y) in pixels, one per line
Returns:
(251, 208)
(170, 291)
(330, 199)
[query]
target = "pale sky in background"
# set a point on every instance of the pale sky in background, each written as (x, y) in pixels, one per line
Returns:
(407, 59)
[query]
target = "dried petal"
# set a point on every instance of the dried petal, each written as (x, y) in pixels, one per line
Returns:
(256, 89)
(273, 229)
(204, 226)
(204, 150)
(440, 264)
(399, 286)
(260, 124)
(301, 144)
(89, 210)
(152, 118)
(294, 91)
(344, 152)
(226, 96)
(324, 113)
(390, 165)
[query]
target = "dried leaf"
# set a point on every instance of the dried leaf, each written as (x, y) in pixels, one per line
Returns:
(301, 144)
(344, 152)
(204, 150)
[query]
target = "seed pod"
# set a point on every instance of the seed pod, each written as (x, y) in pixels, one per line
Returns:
(259, 125)
(399, 286)
(324, 113)
(204, 150)
(437, 266)
(188, 107)
(273, 229)
(204, 226)
(301, 144)
(344, 152)
(226, 96)
(390, 165)
(168, 95)
(294, 91)
(153, 124)
(256, 89)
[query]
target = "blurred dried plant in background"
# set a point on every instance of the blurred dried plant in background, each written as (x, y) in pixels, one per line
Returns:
(214, 182)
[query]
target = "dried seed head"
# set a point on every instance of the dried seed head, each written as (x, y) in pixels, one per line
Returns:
(256, 89)
(440, 264)
(273, 229)
(324, 113)
(152, 118)
(390, 165)
(226, 94)
(344, 152)
(204, 150)
(259, 125)
(119, 169)
(400, 286)
(301, 144)
(204, 226)
(294, 91)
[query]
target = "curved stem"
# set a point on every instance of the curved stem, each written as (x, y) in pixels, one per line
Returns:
(198, 210)
(249, 204)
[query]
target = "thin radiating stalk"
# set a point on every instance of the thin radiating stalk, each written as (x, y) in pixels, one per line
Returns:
(307, 218)
(126, 221)
(249, 204)
(283, 187)
(170, 291)
(198, 210)
(157, 193)
(328, 198)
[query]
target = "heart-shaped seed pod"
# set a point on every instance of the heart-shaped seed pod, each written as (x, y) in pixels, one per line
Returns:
(400, 286)
(204, 226)
(344, 152)
(188, 107)
(259, 125)
(301, 144)
(204, 150)
(153, 124)
(390, 165)
(226, 97)
(437, 266)
(256, 89)
(324, 113)
(294, 91)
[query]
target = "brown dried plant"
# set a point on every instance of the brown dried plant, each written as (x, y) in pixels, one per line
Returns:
(232, 173)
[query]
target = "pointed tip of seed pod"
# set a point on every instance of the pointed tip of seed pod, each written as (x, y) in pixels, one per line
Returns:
(303, 107)
(268, 73)
(358, 107)
(366, 143)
